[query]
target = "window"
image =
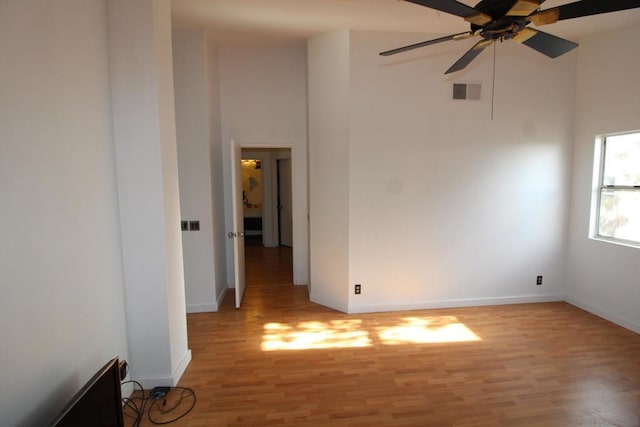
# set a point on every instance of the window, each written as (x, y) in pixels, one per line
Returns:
(618, 188)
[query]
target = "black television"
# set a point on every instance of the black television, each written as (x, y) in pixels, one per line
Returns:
(98, 403)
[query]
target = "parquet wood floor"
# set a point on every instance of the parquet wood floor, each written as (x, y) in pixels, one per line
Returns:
(519, 365)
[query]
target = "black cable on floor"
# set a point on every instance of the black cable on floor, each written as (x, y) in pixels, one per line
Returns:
(134, 407)
(186, 395)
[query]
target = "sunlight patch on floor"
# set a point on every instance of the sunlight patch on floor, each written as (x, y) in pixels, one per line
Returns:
(314, 335)
(427, 330)
(348, 333)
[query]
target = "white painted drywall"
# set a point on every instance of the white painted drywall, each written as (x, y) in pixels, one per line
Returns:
(194, 167)
(215, 155)
(147, 173)
(62, 313)
(329, 175)
(603, 277)
(445, 206)
(176, 305)
(449, 207)
(263, 104)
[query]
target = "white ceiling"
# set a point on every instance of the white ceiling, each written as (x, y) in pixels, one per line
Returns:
(271, 20)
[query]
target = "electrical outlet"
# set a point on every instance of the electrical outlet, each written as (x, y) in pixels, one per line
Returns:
(194, 225)
(358, 289)
(184, 225)
(539, 280)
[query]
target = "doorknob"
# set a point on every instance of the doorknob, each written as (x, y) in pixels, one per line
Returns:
(241, 234)
(231, 234)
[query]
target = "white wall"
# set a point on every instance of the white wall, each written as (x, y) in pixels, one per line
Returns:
(263, 104)
(176, 305)
(447, 207)
(197, 183)
(329, 160)
(62, 308)
(148, 194)
(603, 277)
(217, 161)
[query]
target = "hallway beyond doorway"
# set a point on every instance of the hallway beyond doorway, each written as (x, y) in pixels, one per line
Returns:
(268, 266)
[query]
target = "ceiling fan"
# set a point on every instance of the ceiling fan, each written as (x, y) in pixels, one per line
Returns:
(498, 20)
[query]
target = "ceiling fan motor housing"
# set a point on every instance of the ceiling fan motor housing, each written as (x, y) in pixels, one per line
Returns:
(501, 26)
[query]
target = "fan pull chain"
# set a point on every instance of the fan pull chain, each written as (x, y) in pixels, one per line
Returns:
(493, 83)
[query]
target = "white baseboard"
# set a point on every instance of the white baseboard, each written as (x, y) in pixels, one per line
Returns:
(467, 302)
(127, 389)
(328, 302)
(201, 308)
(151, 382)
(632, 326)
(182, 366)
(208, 308)
(300, 280)
(221, 297)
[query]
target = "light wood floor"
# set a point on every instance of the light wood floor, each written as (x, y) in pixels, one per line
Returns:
(519, 365)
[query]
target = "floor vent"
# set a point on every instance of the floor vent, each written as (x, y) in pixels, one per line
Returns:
(464, 91)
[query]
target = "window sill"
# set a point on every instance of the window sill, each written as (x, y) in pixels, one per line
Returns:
(616, 242)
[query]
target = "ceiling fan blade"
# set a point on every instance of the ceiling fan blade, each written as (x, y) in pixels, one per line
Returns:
(469, 56)
(458, 36)
(581, 8)
(449, 6)
(523, 7)
(545, 43)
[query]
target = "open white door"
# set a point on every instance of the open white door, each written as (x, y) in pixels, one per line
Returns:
(285, 205)
(238, 221)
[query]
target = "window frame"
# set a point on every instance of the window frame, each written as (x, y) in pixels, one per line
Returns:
(599, 186)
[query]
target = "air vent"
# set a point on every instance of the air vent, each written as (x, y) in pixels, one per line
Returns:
(464, 91)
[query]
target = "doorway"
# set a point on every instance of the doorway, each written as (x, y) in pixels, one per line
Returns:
(252, 200)
(267, 207)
